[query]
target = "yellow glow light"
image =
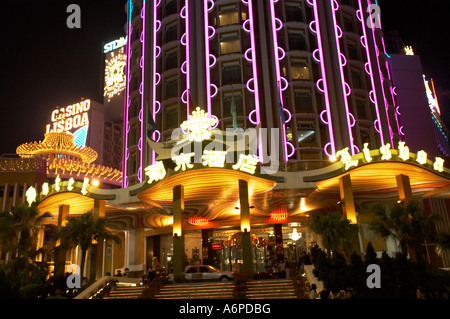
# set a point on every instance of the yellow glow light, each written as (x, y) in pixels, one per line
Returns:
(85, 186)
(114, 75)
(421, 157)
(45, 189)
(438, 164)
(155, 172)
(31, 195)
(367, 156)
(58, 183)
(346, 158)
(198, 124)
(246, 163)
(403, 151)
(214, 158)
(183, 161)
(70, 185)
(95, 183)
(57, 143)
(408, 50)
(385, 150)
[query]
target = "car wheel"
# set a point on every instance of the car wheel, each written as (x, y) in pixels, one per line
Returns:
(224, 278)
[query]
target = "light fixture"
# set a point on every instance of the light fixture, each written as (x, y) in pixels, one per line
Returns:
(341, 202)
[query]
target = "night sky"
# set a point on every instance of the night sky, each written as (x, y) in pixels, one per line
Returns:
(44, 64)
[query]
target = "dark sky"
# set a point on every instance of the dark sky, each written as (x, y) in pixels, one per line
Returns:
(44, 64)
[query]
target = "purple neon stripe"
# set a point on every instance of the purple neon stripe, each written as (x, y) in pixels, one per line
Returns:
(188, 58)
(254, 66)
(341, 69)
(278, 74)
(381, 79)
(324, 80)
(142, 118)
(207, 59)
(126, 106)
(255, 73)
(154, 73)
(372, 79)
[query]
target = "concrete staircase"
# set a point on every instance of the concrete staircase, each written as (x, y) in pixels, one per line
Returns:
(271, 289)
(209, 290)
(258, 289)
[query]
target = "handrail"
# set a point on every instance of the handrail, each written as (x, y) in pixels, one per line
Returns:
(89, 291)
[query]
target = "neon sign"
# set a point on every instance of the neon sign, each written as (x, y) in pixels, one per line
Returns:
(386, 154)
(114, 74)
(70, 118)
(110, 46)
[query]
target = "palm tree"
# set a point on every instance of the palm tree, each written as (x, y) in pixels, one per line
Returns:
(333, 229)
(407, 224)
(82, 231)
(443, 243)
(18, 235)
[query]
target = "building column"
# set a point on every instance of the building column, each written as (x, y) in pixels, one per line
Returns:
(178, 232)
(140, 248)
(279, 252)
(347, 200)
(246, 239)
(349, 210)
(60, 258)
(404, 188)
(98, 212)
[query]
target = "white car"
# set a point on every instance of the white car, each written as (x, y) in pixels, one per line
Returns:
(204, 273)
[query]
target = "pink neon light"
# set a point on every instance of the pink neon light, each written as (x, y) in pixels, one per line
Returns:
(156, 106)
(324, 77)
(249, 26)
(345, 87)
(381, 79)
(141, 113)
(127, 102)
(372, 80)
(188, 58)
(207, 55)
(277, 72)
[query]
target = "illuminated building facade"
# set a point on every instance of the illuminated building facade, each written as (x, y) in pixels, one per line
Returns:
(312, 75)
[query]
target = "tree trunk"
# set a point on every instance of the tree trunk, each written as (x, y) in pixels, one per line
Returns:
(83, 261)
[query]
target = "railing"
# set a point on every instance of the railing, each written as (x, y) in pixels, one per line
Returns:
(92, 289)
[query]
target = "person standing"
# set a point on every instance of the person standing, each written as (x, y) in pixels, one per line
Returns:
(288, 268)
(281, 269)
(313, 292)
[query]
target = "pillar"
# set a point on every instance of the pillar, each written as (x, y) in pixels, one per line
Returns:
(404, 188)
(246, 239)
(179, 258)
(347, 200)
(98, 252)
(207, 251)
(349, 210)
(277, 229)
(60, 258)
(140, 246)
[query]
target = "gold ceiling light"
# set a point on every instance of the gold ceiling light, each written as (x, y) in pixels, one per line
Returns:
(55, 143)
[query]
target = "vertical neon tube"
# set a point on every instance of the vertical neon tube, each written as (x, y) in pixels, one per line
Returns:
(377, 52)
(188, 60)
(324, 79)
(156, 25)
(341, 71)
(127, 100)
(142, 91)
(370, 71)
(278, 75)
(255, 90)
(207, 57)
